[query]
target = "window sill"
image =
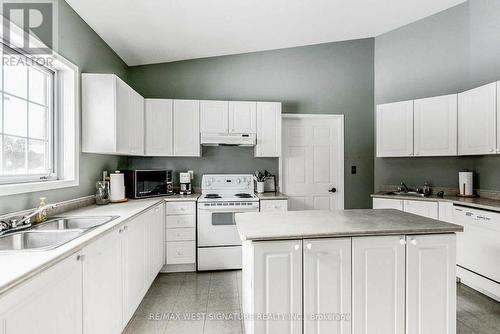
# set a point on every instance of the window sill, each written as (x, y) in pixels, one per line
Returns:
(21, 188)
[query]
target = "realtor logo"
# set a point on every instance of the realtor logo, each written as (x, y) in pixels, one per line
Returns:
(30, 25)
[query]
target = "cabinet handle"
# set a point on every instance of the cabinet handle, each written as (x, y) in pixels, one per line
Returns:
(402, 241)
(120, 230)
(297, 246)
(413, 242)
(309, 246)
(80, 257)
(125, 228)
(492, 150)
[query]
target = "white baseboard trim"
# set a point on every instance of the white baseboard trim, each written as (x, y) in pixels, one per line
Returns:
(178, 268)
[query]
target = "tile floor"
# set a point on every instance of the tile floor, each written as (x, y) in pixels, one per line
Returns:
(200, 296)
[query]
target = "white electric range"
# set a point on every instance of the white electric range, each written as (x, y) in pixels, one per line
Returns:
(218, 244)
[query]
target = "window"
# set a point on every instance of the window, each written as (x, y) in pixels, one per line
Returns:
(27, 150)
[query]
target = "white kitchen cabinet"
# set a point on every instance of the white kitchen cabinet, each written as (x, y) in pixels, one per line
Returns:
(277, 285)
(327, 285)
(158, 127)
(445, 211)
(273, 205)
(102, 285)
(155, 241)
(214, 116)
(498, 117)
(431, 287)
(422, 208)
(435, 131)
(112, 116)
(387, 203)
(268, 130)
(477, 121)
(180, 249)
(378, 285)
(395, 129)
(134, 264)
(186, 128)
(48, 303)
(242, 117)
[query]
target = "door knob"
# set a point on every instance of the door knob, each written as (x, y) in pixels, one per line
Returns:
(333, 190)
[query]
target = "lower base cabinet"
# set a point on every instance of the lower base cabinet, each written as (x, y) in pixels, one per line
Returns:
(95, 291)
(48, 303)
(399, 284)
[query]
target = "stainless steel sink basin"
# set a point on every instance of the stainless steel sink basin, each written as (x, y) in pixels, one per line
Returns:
(403, 193)
(71, 223)
(37, 240)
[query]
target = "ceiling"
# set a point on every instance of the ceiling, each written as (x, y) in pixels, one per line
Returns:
(155, 31)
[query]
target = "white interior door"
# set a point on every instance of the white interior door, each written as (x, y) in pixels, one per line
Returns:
(313, 161)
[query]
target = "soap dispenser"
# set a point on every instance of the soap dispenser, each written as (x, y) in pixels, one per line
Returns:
(42, 215)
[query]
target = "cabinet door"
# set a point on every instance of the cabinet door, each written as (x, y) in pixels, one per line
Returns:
(445, 211)
(155, 241)
(395, 129)
(387, 203)
(186, 128)
(242, 117)
(136, 124)
(158, 127)
(50, 302)
(431, 287)
(273, 205)
(278, 285)
(214, 116)
(102, 286)
(477, 121)
(327, 285)
(422, 208)
(123, 117)
(378, 285)
(268, 129)
(498, 117)
(436, 126)
(134, 265)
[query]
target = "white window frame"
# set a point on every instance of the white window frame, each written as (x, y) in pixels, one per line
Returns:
(67, 134)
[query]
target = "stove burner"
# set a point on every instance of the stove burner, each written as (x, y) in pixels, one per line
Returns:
(213, 196)
(243, 195)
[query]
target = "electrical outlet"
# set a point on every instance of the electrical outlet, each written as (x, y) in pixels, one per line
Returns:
(353, 170)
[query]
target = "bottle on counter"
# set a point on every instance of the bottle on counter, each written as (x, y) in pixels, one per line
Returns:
(102, 190)
(42, 215)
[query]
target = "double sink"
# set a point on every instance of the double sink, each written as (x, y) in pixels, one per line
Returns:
(52, 233)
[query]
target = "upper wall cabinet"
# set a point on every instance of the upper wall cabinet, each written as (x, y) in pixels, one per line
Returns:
(214, 116)
(186, 128)
(498, 117)
(268, 129)
(395, 129)
(158, 119)
(435, 130)
(112, 116)
(242, 117)
(477, 123)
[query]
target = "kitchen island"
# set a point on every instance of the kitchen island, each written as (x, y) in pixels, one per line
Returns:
(347, 271)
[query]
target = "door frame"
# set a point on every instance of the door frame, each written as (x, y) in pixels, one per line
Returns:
(341, 175)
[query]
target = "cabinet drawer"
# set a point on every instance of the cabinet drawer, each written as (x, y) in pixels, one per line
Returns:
(181, 208)
(181, 221)
(180, 252)
(181, 234)
(273, 205)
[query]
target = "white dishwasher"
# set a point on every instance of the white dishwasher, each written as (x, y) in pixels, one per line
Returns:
(478, 249)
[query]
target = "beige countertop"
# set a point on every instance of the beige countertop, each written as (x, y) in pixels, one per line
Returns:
(477, 202)
(271, 196)
(337, 223)
(18, 266)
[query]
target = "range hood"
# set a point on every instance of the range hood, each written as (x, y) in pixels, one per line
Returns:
(228, 139)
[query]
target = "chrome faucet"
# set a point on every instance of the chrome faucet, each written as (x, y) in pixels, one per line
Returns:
(405, 187)
(15, 225)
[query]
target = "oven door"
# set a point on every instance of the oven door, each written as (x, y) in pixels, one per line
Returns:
(216, 227)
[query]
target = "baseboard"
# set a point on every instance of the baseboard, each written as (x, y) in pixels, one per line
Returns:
(479, 283)
(178, 268)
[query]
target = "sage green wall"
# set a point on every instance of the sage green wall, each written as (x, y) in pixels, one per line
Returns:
(446, 53)
(82, 46)
(332, 78)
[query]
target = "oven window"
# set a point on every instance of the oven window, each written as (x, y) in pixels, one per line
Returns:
(223, 218)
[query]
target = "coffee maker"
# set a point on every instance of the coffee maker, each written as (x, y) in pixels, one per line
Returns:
(185, 181)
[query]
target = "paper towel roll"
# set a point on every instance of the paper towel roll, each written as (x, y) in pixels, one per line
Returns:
(465, 183)
(117, 186)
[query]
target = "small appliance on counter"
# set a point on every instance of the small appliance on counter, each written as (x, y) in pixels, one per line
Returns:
(185, 182)
(465, 184)
(117, 187)
(148, 183)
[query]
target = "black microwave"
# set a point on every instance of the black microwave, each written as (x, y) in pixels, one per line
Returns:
(148, 183)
